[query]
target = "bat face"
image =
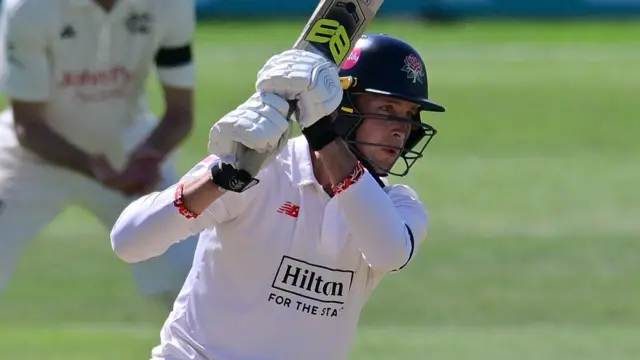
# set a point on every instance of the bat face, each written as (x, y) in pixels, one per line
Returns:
(332, 35)
(335, 27)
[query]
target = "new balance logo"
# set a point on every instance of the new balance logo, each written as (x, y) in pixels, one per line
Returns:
(67, 32)
(289, 209)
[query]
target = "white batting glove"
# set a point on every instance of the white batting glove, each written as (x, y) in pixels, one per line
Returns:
(259, 124)
(304, 76)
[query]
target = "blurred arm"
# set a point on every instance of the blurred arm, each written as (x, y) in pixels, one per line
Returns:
(34, 134)
(175, 125)
(25, 81)
(176, 71)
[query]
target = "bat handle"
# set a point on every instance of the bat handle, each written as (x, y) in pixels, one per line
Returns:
(250, 160)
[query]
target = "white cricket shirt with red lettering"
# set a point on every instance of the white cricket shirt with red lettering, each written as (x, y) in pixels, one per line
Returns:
(89, 65)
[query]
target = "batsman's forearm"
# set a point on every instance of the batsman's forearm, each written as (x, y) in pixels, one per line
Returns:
(200, 193)
(337, 160)
(174, 127)
(50, 146)
(151, 224)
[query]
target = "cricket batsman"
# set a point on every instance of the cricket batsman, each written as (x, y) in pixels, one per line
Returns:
(288, 259)
(78, 129)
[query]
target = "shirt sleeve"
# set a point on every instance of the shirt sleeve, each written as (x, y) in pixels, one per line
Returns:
(414, 215)
(24, 65)
(151, 224)
(174, 58)
(386, 224)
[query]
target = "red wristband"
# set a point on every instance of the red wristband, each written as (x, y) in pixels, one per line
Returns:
(351, 179)
(179, 203)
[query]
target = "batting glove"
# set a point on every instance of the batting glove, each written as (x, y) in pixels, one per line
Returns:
(259, 124)
(306, 77)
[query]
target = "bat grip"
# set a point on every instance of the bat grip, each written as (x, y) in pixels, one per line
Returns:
(250, 160)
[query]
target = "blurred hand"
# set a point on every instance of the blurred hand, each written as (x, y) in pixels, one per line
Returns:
(103, 172)
(142, 173)
(139, 177)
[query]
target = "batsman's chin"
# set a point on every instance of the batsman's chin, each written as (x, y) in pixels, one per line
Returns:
(385, 158)
(381, 167)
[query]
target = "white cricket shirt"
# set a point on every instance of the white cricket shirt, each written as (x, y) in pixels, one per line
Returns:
(89, 65)
(282, 271)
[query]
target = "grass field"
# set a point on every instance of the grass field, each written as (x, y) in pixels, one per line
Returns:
(532, 186)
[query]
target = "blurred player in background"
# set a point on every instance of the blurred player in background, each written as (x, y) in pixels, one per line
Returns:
(79, 131)
(285, 265)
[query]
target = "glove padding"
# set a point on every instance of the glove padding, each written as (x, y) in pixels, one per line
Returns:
(259, 124)
(306, 77)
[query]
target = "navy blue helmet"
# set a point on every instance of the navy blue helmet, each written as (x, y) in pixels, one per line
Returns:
(383, 65)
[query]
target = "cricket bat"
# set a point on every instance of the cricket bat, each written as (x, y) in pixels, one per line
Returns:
(331, 32)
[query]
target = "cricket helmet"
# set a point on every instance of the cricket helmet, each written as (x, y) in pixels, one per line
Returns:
(383, 65)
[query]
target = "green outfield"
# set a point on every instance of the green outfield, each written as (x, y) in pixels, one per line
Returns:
(531, 183)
